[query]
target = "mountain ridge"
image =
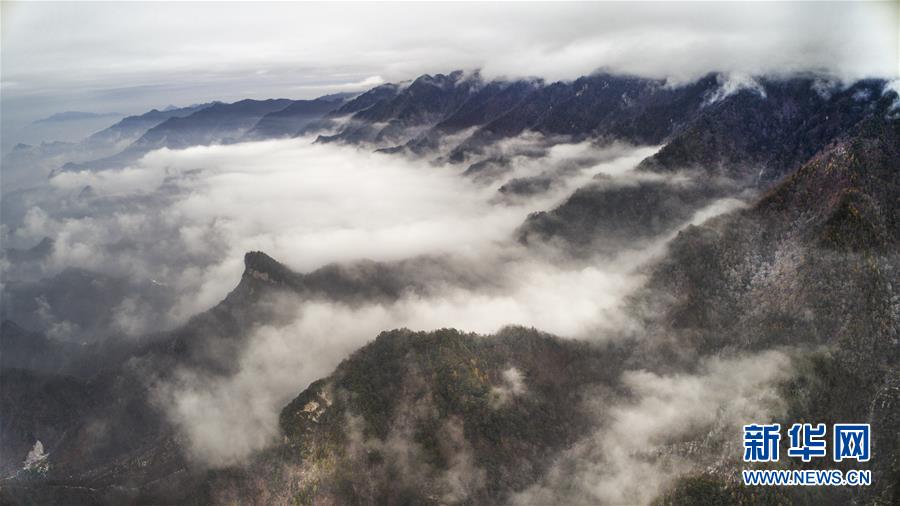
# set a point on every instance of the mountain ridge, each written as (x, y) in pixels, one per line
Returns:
(807, 269)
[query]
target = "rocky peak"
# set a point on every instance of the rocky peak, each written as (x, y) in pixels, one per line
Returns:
(259, 266)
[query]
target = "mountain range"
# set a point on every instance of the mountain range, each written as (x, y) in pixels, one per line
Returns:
(806, 268)
(77, 115)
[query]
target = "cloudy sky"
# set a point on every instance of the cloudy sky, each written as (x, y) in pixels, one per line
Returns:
(129, 57)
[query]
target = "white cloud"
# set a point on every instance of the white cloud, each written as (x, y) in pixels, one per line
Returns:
(218, 414)
(731, 83)
(184, 219)
(513, 385)
(60, 56)
(658, 432)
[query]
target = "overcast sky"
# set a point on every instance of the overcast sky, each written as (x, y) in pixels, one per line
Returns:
(129, 57)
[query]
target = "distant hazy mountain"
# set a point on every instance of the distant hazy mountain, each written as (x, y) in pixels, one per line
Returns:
(132, 127)
(217, 123)
(81, 300)
(206, 124)
(26, 165)
(291, 120)
(77, 115)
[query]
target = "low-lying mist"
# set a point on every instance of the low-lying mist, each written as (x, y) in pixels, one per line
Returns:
(182, 221)
(647, 439)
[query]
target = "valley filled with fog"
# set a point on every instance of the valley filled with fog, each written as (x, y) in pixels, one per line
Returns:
(475, 286)
(176, 224)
